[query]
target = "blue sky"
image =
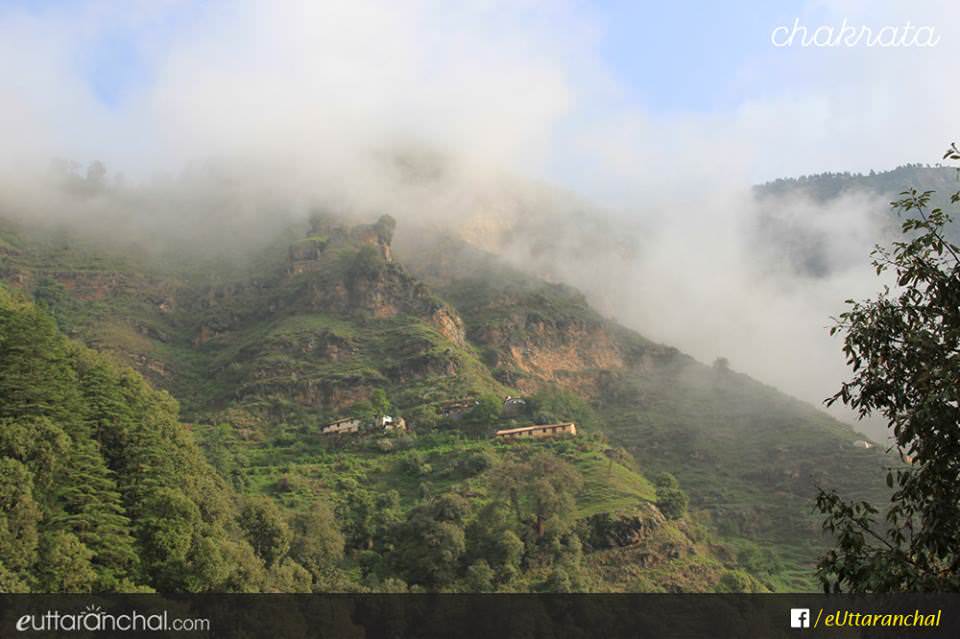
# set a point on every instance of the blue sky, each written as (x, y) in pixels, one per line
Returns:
(526, 77)
(668, 55)
(685, 55)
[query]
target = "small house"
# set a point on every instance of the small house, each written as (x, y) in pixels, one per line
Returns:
(538, 431)
(345, 425)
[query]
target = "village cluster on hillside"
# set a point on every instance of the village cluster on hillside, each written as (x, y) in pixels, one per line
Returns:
(454, 409)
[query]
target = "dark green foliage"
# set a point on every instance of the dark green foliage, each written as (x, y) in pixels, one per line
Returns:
(482, 420)
(491, 538)
(367, 263)
(165, 530)
(902, 349)
(101, 489)
(480, 577)
(219, 447)
(553, 405)
(37, 442)
(66, 565)
(317, 541)
(541, 491)
(20, 518)
(432, 540)
(477, 462)
(35, 378)
(93, 511)
(672, 502)
(266, 529)
(366, 518)
(665, 480)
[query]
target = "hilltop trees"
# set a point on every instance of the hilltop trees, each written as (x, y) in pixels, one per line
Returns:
(904, 349)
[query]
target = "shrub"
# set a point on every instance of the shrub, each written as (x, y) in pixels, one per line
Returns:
(672, 502)
(476, 462)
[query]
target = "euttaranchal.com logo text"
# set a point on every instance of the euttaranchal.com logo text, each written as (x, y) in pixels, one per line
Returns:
(95, 619)
(852, 35)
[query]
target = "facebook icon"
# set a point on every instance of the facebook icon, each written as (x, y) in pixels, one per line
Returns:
(799, 617)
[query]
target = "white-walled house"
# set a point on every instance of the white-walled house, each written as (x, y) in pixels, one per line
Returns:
(345, 425)
(539, 431)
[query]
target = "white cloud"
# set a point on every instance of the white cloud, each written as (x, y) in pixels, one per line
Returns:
(304, 96)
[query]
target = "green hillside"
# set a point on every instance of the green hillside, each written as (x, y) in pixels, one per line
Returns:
(104, 491)
(262, 355)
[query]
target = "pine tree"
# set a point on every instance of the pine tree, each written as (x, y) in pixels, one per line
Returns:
(35, 376)
(93, 510)
(107, 415)
(20, 517)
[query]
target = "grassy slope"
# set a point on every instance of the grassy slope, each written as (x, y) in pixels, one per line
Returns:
(322, 462)
(748, 455)
(297, 463)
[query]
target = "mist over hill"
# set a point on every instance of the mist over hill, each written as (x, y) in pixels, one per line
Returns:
(813, 239)
(323, 317)
(728, 274)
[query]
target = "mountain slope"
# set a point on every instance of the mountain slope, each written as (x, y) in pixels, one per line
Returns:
(750, 456)
(333, 324)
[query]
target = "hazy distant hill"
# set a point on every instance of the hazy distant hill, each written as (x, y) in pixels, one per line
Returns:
(823, 223)
(823, 187)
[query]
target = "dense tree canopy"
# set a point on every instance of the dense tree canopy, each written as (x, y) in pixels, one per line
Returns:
(101, 489)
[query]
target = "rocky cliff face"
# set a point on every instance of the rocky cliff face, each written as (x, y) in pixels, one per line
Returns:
(571, 354)
(316, 329)
(338, 319)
